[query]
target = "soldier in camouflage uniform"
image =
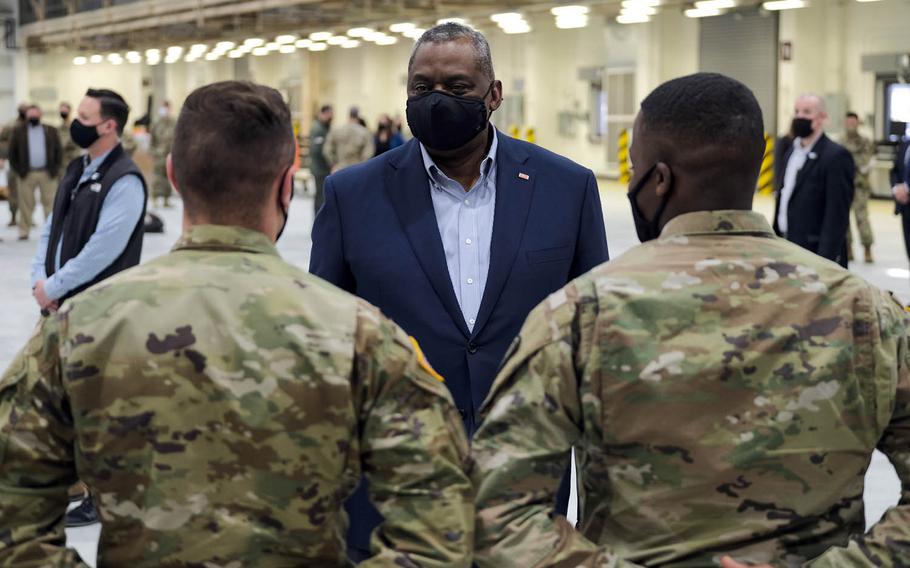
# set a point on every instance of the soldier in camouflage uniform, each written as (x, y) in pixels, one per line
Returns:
(162, 137)
(6, 136)
(862, 150)
(71, 150)
(724, 388)
(221, 403)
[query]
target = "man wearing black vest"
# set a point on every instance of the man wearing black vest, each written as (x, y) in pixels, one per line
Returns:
(95, 228)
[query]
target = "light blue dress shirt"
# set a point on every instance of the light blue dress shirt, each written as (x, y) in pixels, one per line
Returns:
(37, 147)
(465, 221)
(120, 212)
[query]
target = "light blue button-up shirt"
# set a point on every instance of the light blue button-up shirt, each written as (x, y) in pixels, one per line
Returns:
(465, 221)
(118, 217)
(37, 147)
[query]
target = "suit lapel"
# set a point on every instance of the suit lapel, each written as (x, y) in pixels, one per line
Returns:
(513, 201)
(409, 190)
(810, 162)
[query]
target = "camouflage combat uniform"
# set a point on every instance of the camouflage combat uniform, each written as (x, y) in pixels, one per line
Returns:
(724, 390)
(70, 150)
(862, 150)
(348, 145)
(162, 138)
(221, 404)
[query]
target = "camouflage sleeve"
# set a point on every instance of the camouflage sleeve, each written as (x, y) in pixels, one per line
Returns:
(414, 452)
(36, 456)
(532, 417)
(887, 543)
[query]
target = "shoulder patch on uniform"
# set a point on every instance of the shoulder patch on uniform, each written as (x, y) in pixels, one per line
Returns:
(422, 360)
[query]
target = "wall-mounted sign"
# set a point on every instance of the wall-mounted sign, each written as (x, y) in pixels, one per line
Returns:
(786, 50)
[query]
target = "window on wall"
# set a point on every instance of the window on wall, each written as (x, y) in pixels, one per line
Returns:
(897, 111)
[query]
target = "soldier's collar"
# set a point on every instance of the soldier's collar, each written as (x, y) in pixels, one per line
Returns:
(225, 238)
(717, 222)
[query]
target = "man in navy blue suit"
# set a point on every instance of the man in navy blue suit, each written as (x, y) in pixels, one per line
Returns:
(459, 233)
(900, 179)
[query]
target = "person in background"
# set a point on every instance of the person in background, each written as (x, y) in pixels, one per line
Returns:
(70, 150)
(457, 234)
(387, 137)
(36, 157)
(862, 149)
(6, 135)
(95, 230)
(162, 136)
(349, 144)
(319, 165)
(222, 402)
(725, 389)
(814, 185)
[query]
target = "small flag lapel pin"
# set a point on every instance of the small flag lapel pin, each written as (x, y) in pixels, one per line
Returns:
(522, 175)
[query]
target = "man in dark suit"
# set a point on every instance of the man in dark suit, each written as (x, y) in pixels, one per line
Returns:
(814, 186)
(36, 158)
(460, 232)
(900, 180)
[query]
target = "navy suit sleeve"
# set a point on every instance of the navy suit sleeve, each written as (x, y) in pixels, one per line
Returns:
(898, 167)
(327, 259)
(591, 246)
(838, 197)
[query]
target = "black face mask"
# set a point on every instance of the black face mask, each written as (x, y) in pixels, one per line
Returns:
(802, 127)
(84, 136)
(646, 230)
(64, 115)
(34, 121)
(442, 121)
(281, 205)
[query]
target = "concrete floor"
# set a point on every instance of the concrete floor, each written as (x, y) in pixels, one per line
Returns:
(20, 313)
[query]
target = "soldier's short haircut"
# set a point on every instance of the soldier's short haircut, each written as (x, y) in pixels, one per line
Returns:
(852, 114)
(453, 31)
(113, 106)
(231, 142)
(325, 108)
(707, 109)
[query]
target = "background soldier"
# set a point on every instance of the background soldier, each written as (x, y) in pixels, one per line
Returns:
(6, 135)
(348, 144)
(227, 401)
(162, 137)
(724, 389)
(319, 166)
(71, 150)
(862, 150)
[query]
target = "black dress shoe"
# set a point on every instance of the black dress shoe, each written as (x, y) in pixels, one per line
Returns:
(84, 514)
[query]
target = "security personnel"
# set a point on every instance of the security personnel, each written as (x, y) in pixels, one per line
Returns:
(862, 149)
(724, 388)
(162, 137)
(319, 166)
(6, 136)
(221, 402)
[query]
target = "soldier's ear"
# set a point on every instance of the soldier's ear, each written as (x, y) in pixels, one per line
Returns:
(169, 165)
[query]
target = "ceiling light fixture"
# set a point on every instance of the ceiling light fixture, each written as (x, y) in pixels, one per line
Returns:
(321, 36)
(402, 27)
(783, 5)
(80, 60)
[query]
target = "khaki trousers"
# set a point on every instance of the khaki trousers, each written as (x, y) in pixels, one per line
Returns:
(47, 187)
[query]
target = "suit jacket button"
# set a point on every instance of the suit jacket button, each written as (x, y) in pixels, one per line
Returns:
(472, 348)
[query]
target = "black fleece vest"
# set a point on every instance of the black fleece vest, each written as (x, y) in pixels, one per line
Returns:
(77, 208)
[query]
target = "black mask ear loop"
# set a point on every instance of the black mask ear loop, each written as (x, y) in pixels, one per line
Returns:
(281, 205)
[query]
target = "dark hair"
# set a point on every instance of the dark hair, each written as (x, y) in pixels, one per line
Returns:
(113, 106)
(354, 112)
(232, 140)
(707, 109)
(453, 31)
(325, 108)
(852, 114)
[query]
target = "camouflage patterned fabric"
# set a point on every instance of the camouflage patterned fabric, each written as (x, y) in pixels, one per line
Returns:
(862, 150)
(724, 390)
(70, 150)
(162, 138)
(221, 404)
